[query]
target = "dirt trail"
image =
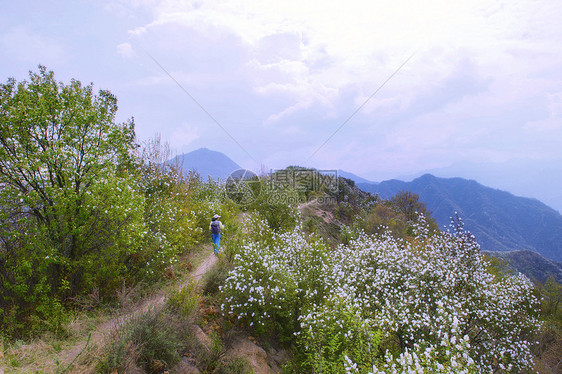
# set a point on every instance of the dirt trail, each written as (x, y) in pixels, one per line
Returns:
(202, 269)
(103, 330)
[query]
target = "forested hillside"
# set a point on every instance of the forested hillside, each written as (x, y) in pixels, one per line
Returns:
(531, 264)
(499, 220)
(313, 275)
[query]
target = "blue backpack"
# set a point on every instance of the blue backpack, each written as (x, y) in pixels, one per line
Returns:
(215, 227)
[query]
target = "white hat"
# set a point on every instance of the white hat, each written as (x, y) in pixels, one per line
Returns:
(216, 216)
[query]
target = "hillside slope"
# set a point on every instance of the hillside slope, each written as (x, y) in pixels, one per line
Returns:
(532, 264)
(499, 220)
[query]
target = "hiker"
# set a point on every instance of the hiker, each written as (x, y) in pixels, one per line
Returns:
(216, 228)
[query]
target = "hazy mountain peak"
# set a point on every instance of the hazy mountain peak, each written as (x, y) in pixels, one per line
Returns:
(207, 163)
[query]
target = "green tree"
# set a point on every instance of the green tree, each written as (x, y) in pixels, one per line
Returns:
(552, 295)
(69, 212)
(381, 218)
(408, 204)
(277, 205)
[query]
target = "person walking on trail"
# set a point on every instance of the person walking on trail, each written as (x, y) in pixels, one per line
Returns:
(216, 228)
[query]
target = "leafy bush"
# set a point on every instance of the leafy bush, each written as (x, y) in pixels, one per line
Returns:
(381, 219)
(409, 204)
(183, 301)
(171, 228)
(151, 340)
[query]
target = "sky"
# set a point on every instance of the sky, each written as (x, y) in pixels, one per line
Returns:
(382, 89)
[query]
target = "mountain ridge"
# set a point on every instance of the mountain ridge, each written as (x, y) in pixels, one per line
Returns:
(536, 179)
(354, 177)
(500, 220)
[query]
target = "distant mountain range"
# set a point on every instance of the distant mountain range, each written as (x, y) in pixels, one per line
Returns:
(207, 163)
(538, 179)
(499, 220)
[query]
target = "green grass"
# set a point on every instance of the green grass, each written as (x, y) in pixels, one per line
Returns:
(151, 340)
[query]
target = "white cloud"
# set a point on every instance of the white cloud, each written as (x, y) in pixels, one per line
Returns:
(470, 91)
(356, 43)
(125, 50)
(282, 76)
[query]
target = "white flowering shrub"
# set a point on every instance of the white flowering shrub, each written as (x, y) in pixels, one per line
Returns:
(273, 273)
(449, 357)
(334, 337)
(170, 227)
(435, 295)
(427, 304)
(116, 224)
